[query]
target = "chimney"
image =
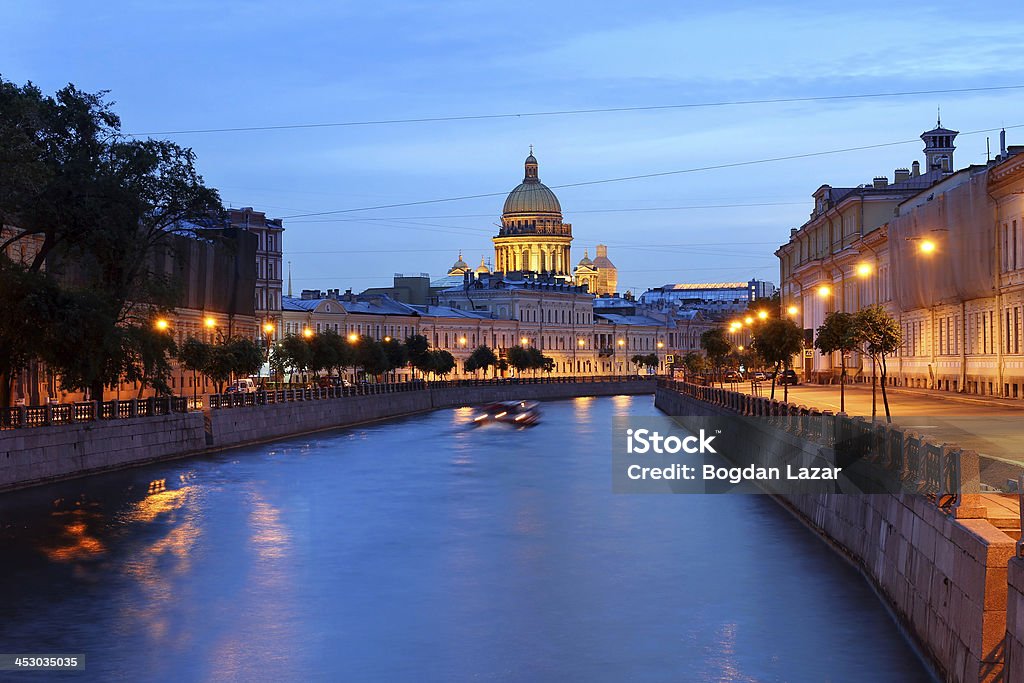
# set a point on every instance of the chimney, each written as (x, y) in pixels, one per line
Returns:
(1002, 143)
(880, 182)
(915, 169)
(901, 175)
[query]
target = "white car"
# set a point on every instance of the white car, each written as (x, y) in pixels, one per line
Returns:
(242, 386)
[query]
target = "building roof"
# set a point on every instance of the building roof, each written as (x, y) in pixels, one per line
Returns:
(531, 196)
(377, 304)
(627, 319)
(449, 312)
(706, 285)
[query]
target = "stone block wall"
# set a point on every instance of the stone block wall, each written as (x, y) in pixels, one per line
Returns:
(30, 456)
(1014, 646)
(945, 578)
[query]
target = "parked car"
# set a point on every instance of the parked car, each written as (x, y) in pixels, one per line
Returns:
(242, 386)
(733, 376)
(759, 376)
(788, 377)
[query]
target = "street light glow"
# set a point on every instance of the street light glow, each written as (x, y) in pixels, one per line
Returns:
(524, 341)
(307, 333)
(864, 269)
(792, 310)
(621, 342)
(268, 328)
(353, 337)
(748, 320)
(661, 345)
(210, 322)
(387, 339)
(824, 291)
(462, 341)
(581, 343)
(926, 246)
(763, 315)
(740, 347)
(162, 324)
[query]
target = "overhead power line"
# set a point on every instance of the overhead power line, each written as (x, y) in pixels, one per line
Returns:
(570, 112)
(642, 176)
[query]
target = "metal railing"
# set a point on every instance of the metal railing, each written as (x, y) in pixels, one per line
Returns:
(907, 460)
(87, 411)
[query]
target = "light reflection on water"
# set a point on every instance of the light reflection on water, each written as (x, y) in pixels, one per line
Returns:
(431, 549)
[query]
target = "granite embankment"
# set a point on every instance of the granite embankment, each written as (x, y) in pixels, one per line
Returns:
(35, 455)
(942, 570)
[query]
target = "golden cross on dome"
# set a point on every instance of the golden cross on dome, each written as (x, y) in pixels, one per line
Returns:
(531, 150)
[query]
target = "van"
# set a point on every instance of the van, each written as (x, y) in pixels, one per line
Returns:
(242, 386)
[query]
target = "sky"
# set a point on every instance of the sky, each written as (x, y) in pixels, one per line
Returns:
(192, 65)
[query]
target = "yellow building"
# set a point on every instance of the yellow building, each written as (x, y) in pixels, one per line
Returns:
(533, 237)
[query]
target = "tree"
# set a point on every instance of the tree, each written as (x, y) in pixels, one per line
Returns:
(147, 353)
(839, 333)
(370, 356)
(776, 342)
(292, 352)
(28, 317)
(717, 347)
(194, 355)
(440, 362)
(694, 363)
(481, 359)
(238, 356)
(104, 211)
(397, 354)
(519, 359)
(536, 359)
(881, 336)
(418, 348)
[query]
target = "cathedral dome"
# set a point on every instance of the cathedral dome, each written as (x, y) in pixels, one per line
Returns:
(459, 267)
(482, 269)
(531, 196)
(585, 261)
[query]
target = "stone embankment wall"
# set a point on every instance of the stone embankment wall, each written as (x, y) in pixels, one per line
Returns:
(1014, 647)
(40, 454)
(945, 578)
(37, 455)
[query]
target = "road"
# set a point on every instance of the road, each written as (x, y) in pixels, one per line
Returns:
(990, 427)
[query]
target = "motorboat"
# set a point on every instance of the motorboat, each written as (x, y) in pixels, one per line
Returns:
(520, 413)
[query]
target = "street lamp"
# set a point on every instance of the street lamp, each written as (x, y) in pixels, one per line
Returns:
(792, 310)
(353, 338)
(210, 323)
(524, 341)
(462, 341)
(748, 320)
(161, 324)
(387, 339)
(926, 246)
(824, 291)
(307, 332)
(864, 269)
(763, 315)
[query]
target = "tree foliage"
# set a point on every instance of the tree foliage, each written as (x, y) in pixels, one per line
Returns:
(481, 358)
(839, 333)
(102, 211)
(776, 342)
(881, 337)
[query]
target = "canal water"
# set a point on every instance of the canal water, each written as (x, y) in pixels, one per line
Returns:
(426, 549)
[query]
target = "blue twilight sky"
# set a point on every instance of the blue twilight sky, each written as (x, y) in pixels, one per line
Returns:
(189, 64)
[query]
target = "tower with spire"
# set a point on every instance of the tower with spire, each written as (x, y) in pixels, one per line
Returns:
(938, 147)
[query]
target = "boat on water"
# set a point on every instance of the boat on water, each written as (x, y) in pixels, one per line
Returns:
(519, 413)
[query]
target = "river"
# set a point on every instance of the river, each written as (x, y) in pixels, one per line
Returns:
(427, 549)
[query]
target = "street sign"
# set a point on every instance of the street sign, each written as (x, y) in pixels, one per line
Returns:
(808, 353)
(669, 358)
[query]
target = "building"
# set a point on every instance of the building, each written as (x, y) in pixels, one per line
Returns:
(942, 250)
(532, 237)
(269, 233)
(710, 297)
(600, 275)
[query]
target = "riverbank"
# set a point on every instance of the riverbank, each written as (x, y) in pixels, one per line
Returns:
(38, 455)
(943, 574)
